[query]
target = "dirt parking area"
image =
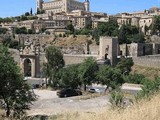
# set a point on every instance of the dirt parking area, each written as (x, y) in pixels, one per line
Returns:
(49, 103)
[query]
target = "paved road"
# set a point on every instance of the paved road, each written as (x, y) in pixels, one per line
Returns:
(48, 103)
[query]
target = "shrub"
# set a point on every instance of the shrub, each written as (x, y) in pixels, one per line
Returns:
(117, 99)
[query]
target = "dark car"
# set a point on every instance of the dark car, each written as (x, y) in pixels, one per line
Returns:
(69, 92)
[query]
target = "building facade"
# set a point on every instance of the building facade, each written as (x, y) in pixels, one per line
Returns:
(59, 6)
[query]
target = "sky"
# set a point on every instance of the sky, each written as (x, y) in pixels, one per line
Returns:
(10, 8)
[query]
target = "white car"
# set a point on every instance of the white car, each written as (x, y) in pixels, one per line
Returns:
(94, 90)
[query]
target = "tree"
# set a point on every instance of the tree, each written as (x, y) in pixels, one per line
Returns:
(27, 14)
(135, 78)
(22, 30)
(54, 63)
(15, 94)
(125, 65)
(128, 34)
(31, 31)
(43, 30)
(138, 38)
(87, 71)
(31, 12)
(69, 77)
(108, 28)
(23, 17)
(155, 29)
(71, 28)
(8, 42)
(96, 36)
(109, 76)
(3, 30)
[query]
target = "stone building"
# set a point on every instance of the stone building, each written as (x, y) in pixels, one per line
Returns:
(144, 23)
(59, 6)
(80, 22)
(28, 24)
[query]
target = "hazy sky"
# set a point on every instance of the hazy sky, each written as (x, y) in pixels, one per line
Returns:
(17, 7)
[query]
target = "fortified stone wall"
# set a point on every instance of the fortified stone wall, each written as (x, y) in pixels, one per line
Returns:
(76, 59)
(152, 61)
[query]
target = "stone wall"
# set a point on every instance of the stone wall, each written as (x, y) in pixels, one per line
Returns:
(152, 61)
(76, 59)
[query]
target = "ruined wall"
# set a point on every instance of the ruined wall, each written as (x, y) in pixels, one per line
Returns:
(124, 50)
(43, 39)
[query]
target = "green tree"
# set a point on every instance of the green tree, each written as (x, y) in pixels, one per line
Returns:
(8, 42)
(108, 28)
(31, 12)
(87, 71)
(96, 36)
(149, 88)
(3, 30)
(155, 28)
(43, 30)
(22, 30)
(109, 76)
(31, 31)
(27, 14)
(129, 33)
(71, 28)
(54, 63)
(15, 94)
(69, 77)
(125, 65)
(23, 18)
(135, 78)
(138, 38)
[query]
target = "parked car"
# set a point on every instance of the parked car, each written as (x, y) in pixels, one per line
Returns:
(94, 90)
(69, 92)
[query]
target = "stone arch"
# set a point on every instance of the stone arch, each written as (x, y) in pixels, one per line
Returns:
(27, 67)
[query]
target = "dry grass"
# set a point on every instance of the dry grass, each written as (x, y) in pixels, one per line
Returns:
(144, 110)
(70, 41)
(150, 73)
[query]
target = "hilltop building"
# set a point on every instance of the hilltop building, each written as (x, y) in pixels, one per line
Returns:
(60, 6)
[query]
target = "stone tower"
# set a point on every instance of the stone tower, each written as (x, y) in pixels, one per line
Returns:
(86, 4)
(108, 49)
(39, 4)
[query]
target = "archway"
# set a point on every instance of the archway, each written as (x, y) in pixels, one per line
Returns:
(27, 68)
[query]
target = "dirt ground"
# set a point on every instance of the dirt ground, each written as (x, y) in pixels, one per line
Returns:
(49, 103)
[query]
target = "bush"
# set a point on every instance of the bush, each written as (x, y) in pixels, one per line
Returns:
(117, 99)
(149, 88)
(135, 78)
